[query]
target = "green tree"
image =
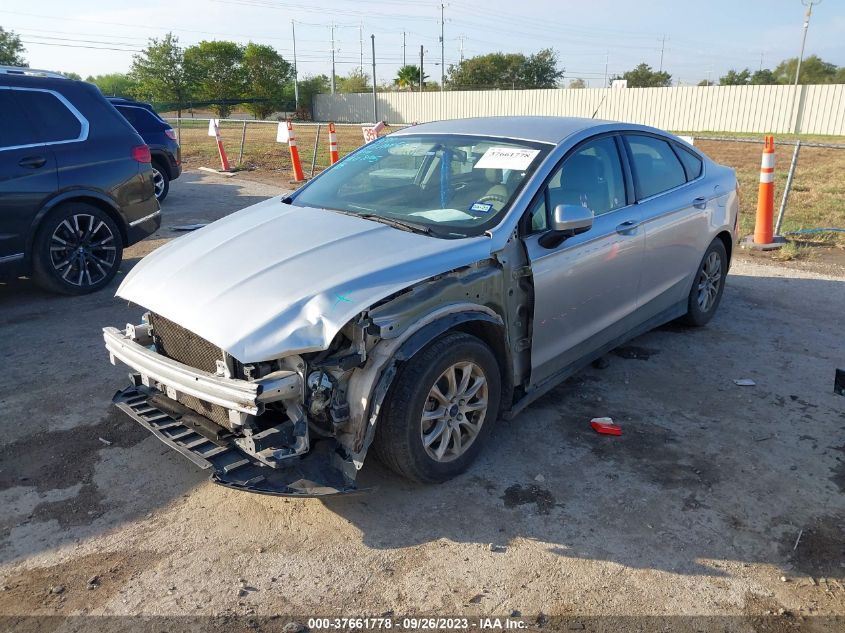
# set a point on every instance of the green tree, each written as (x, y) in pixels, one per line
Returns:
(840, 76)
(706, 82)
(355, 81)
(506, 71)
(72, 75)
(763, 77)
(160, 75)
(11, 49)
(216, 69)
(267, 77)
(577, 83)
(310, 86)
(814, 70)
(114, 84)
(735, 78)
(644, 77)
(408, 77)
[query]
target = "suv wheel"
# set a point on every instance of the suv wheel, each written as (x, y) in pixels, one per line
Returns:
(441, 406)
(77, 250)
(708, 285)
(161, 182)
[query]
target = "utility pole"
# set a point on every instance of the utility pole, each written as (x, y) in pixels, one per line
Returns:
(361, 40)
(333, 75)
(421, 67)
(404, 63)
(375, 99)
(761, 59)
(809, 4)
(662, 47)
(606, 62)
(295, 75)
(462, 38)
(442, 50)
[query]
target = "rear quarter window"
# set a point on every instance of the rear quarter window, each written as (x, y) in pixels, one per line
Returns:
(692, 163)
(141, 119)
(51, 119)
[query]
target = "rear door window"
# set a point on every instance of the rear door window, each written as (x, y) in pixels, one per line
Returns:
(15, 129)
(51, 119)
(656, 167)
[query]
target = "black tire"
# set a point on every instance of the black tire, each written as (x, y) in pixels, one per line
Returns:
(399, 433)
(59, 265)
(162, 187)
(699, 313)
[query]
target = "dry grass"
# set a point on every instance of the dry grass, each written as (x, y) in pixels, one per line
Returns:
(817, 199)
(791, 251)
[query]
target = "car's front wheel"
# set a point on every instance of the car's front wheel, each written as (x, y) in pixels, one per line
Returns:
(77, 250)
(708, 285)
(442, 404)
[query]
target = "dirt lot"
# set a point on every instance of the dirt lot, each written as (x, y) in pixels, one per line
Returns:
(718, 500)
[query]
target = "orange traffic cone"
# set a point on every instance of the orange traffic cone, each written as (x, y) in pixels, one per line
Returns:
(763, 230)
(298, 174)
(332, 143)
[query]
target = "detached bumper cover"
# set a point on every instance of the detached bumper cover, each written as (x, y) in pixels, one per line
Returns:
(319, 473)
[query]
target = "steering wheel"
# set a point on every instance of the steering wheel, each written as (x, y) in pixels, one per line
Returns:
(495, 199)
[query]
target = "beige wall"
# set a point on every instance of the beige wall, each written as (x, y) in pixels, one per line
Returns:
(775, 109)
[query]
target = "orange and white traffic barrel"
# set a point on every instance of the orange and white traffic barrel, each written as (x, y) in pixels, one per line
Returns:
(763, 229)
(294, 155)
(332, 143)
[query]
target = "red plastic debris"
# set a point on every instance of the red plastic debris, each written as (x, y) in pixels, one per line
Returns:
(605, 426)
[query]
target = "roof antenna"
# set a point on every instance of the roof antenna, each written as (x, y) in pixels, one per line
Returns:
(599, 108)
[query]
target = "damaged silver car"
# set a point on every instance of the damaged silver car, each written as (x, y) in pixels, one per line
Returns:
(430, 283)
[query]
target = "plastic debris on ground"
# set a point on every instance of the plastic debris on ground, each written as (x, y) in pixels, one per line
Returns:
(744, 382)
(605, 426)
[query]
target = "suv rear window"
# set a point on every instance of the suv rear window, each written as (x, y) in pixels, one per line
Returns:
(15, 128)
(50, 117)
(656, 167)
(141, 119)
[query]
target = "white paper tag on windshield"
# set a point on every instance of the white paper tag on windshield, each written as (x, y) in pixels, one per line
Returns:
(506, 158)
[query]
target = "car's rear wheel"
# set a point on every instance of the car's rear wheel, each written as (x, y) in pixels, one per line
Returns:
(439, 410)
(77, 250)
(708, 285)
(161, 182)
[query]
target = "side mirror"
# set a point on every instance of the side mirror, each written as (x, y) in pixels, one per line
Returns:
(571, 219)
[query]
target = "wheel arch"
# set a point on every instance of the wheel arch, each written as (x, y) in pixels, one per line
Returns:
(368, 390)
(96, 199)
(727, 240)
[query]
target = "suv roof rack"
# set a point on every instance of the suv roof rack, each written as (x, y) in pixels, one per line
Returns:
(33, 72)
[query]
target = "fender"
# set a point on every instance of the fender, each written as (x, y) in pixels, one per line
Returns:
(369, 386)
(74, 194)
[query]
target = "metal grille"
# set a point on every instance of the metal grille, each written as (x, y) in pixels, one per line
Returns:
(213, 412)
(176, 342)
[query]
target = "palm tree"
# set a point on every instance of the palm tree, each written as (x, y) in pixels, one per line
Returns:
(409, 77)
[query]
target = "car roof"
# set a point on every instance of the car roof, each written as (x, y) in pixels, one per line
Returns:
(544, 129)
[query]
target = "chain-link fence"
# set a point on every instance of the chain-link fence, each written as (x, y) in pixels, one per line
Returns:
(253, 145)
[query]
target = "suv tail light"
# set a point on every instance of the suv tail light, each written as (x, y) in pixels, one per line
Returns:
(141, 153)
(169, 133)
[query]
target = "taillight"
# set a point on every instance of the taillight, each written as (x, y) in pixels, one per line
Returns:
(141, 153)
(169, 133)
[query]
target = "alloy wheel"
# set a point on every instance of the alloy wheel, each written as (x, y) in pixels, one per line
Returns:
(454, 411)
(158, 183)
(708, 281)
(83, 250)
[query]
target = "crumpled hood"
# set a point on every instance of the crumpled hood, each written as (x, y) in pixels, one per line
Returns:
(275, 279)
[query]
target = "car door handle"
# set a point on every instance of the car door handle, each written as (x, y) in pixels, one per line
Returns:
(626, 228)
(33, 162)
(700, 202)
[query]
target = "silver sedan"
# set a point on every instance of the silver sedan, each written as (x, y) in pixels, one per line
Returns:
(430, 283)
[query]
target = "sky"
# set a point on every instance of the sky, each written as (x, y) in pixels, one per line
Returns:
(697, 39)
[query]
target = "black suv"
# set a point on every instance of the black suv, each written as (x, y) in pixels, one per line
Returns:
(76, 182)
(159, 136)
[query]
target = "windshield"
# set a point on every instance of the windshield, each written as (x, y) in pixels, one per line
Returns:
(449, 185)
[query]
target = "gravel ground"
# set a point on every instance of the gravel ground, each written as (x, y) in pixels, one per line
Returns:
(695, 510)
